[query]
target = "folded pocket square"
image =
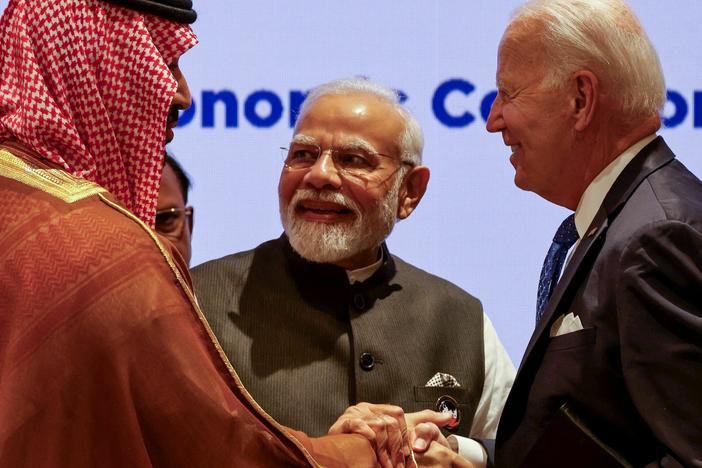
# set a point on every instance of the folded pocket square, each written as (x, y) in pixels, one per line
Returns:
(568, 323)
(442, 380)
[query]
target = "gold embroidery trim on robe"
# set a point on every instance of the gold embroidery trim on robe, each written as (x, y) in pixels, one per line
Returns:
(55, 182)
(193, 301)
(70, 189)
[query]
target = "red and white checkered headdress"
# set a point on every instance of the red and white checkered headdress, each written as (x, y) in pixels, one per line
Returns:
(86, 84)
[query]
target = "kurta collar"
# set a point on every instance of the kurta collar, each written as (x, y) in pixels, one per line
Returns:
(361, 274)
(331, 276)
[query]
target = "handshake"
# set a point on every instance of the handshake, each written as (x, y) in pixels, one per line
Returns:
(399, 439)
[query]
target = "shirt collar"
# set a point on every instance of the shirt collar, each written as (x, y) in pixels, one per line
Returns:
(595, 193)
(361, 274)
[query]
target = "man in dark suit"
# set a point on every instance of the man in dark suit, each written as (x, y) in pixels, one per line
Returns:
(620, 339)
(324, 316)
(612, 375)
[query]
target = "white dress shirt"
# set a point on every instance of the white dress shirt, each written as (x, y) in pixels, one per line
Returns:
(595, 193)
(499, 375)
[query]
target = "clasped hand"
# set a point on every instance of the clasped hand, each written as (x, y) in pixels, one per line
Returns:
(401, 440)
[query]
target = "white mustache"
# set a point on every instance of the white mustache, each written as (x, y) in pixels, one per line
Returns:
(324, 195)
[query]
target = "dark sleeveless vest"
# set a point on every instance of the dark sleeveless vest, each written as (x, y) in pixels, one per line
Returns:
(307, 344)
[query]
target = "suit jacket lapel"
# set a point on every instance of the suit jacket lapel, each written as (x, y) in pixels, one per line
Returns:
(652, 157)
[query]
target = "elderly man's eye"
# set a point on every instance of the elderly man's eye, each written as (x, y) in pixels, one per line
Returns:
(303, 154)
(356, 160)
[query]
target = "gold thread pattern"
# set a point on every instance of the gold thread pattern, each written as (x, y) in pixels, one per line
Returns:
(70, 189)
(55, 182)
(191, 297)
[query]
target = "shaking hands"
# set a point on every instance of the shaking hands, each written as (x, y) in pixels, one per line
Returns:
(401, 440)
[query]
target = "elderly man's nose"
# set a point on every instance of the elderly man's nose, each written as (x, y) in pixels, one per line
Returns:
(495, 123)
(323, 173)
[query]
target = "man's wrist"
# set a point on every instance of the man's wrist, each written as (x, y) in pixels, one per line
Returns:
(470, 449)
(453, 442)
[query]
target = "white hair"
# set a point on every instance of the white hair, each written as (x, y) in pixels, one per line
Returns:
(605, 37)
(411, 139)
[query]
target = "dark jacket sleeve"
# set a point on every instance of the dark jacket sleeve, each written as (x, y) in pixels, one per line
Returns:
(489, 446)
(659, 308)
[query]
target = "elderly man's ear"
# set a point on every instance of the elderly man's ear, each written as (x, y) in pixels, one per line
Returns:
(412, 190)
(586, 98)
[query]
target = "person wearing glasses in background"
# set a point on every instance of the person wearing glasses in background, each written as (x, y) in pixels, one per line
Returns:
(174, 220)
(324, 316)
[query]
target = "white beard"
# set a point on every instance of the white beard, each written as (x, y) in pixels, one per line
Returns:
(331, 243)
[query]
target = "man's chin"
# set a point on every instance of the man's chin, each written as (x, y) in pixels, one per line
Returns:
(319, 242)
(520, 180)
(318, 227)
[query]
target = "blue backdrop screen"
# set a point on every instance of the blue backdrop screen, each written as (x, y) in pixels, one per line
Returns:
(256, 61)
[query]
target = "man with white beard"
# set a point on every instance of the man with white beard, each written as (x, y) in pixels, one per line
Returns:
(325, 317)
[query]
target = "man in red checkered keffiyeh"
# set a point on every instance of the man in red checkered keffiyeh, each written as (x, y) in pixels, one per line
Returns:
(87, 86)
(105, 357)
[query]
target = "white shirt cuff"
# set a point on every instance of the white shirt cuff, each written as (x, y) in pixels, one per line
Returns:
(471, 450)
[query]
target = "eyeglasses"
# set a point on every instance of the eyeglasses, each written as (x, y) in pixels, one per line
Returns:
(170, 221)
(357, 164)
